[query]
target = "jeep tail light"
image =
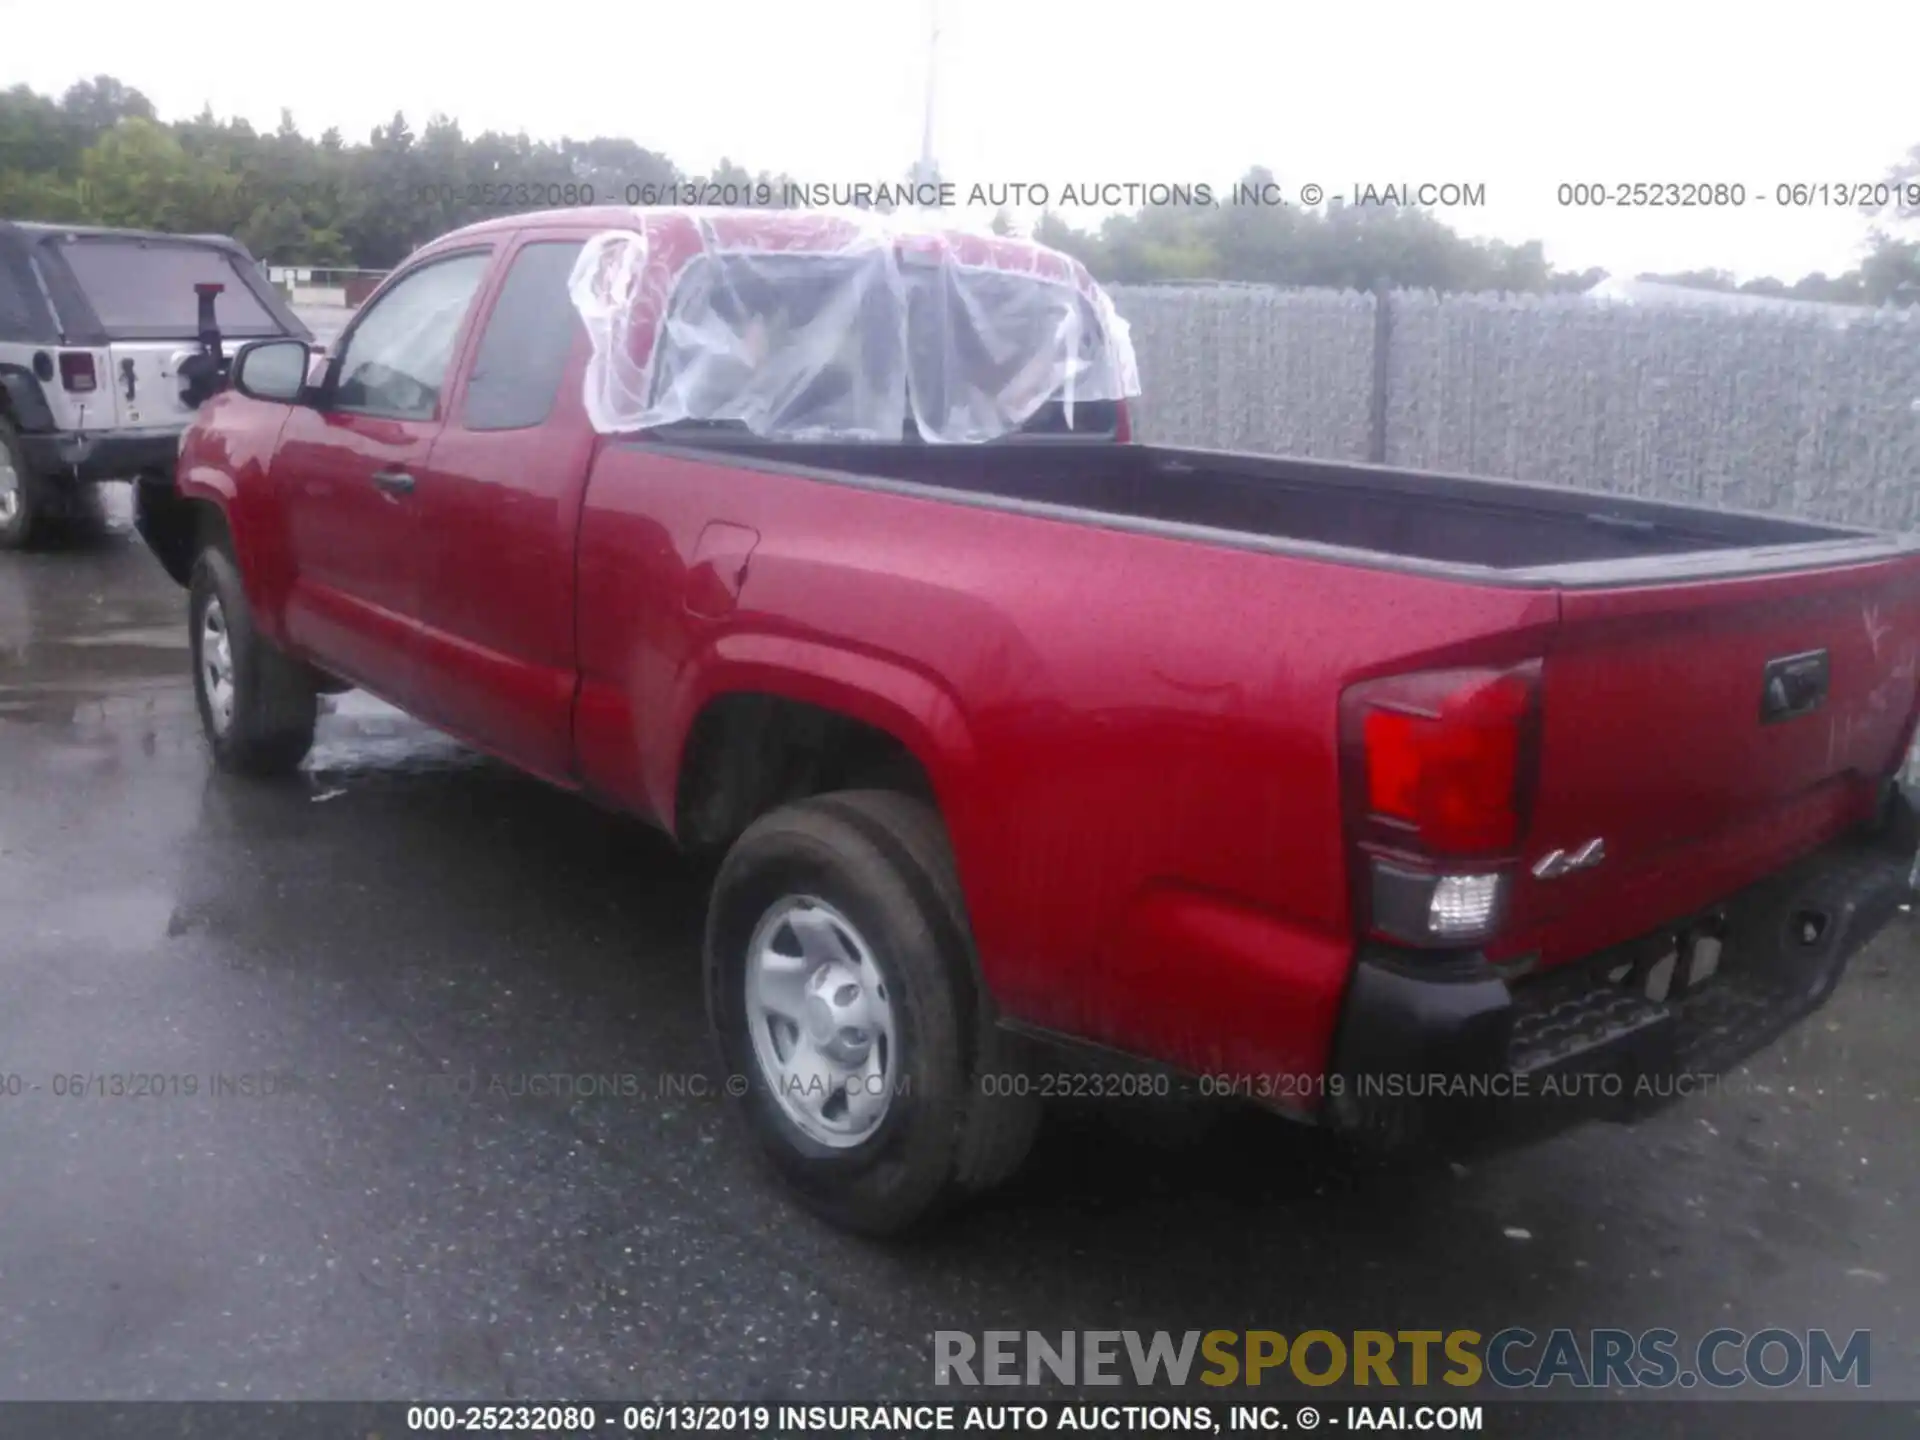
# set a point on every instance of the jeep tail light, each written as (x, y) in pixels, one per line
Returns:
(1439, 782)
(76, 372)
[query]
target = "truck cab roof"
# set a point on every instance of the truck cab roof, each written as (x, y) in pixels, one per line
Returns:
(1010, 251)
(847, 323)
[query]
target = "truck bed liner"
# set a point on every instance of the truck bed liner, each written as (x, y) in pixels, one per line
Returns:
(1420, 516)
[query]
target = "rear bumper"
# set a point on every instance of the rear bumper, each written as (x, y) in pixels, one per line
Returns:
(1426, 1054)
(106, 455)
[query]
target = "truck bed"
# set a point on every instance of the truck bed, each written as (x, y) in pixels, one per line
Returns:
(1423, 518)
(1661, 632)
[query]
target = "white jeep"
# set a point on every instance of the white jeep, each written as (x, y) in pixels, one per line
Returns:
(109, 341)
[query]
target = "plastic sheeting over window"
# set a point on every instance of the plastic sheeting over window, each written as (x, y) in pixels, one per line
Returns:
(807, 325)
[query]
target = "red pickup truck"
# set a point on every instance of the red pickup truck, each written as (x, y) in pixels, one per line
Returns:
(820, 543)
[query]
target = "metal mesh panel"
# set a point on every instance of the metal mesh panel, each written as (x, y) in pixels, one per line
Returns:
(1787, 414)
(1282, 371)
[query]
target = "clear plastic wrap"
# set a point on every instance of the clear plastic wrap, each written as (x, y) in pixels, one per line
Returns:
(804, 325)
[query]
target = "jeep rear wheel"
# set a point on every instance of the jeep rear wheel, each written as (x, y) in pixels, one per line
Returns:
(20, 493)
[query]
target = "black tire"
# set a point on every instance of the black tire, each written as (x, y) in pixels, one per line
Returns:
(1000, 1126)
(274, 707)
(881, 860)
(22, 523)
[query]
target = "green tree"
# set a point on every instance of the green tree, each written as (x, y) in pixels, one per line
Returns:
(37, 136)
(1055, 233)
(42, 196)
(101, 103)
(138, 175)
(1890, 275)
(1574, 282)
(278, 233)
(615, 169)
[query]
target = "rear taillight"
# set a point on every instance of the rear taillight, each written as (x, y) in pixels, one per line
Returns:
(1439, 782)
(1443, 757)
(76, 372)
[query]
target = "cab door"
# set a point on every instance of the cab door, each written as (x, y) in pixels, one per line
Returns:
(349, 469)
(501, 503)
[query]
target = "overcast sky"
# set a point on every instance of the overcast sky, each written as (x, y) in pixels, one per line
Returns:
(1520, 97)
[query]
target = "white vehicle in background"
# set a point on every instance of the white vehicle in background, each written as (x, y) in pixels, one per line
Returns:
(109, 342)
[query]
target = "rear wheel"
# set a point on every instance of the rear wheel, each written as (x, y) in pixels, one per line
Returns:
(257, 706)
(21, 494)
(840, 985)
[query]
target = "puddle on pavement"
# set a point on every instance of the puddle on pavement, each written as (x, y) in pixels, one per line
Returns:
(167, 637)
(361, 737)
(88, 628)
(122, 920)
(93, 642)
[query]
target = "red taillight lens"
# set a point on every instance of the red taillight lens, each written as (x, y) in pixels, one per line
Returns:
(76, 371)
(1443, 756)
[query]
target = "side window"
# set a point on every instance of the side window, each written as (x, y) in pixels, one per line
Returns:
(397, 355)
(23, 310)
(529, 336)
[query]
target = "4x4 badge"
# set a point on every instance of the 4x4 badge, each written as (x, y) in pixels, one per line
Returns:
(1555, 863)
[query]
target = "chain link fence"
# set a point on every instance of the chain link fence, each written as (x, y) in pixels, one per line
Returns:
(1816, 415)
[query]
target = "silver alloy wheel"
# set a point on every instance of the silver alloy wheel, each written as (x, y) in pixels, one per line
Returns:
(10, 495)
(820, 1021)
(216, 666)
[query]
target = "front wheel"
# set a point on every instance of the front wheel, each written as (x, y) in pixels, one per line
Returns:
(841, 988)
(257, 706)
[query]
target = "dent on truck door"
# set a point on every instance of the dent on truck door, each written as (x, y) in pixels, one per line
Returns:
(348, 476)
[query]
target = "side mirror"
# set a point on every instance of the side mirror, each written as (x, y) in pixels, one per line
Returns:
(273, 370)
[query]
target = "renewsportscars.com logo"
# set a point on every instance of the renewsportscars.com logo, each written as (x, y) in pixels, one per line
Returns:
(1514, 1358)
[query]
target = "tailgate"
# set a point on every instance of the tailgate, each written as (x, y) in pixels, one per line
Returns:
(1708, 733)
(143, 376)
(138, 295)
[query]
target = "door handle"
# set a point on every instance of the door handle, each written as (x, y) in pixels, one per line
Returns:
(394, 482)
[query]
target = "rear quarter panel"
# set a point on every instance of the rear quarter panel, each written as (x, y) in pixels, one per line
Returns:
(1133, 737)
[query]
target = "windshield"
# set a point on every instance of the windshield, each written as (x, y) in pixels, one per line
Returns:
(868, 331)
(143, 289)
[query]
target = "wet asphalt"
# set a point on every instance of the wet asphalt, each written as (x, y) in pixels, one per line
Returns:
(391, 946)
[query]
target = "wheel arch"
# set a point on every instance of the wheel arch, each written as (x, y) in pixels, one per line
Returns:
(749, 751)
(769, 720)
(177, 525)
